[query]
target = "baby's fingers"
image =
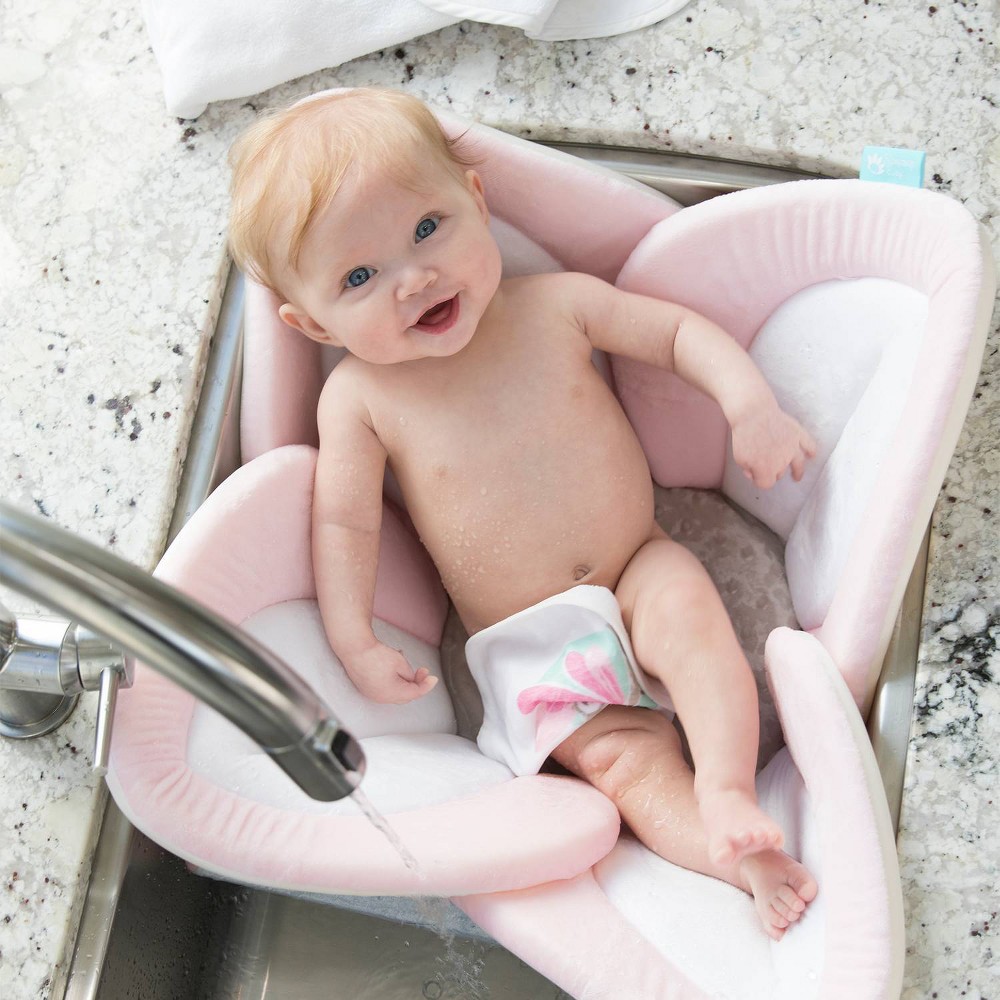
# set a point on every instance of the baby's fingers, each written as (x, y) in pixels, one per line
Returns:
(416, 685)
(424, 679)
(808, 449)
(760, 479)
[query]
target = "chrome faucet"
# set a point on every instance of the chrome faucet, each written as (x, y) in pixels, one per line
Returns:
(45, 662)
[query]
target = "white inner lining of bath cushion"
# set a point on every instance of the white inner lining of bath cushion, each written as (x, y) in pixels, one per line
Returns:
(710, 930)
(824, 352)
(414, 757)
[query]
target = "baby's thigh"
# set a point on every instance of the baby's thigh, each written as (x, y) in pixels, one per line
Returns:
(618, 745)
(668, 600)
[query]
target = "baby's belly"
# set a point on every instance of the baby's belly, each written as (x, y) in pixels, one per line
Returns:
(510, 538)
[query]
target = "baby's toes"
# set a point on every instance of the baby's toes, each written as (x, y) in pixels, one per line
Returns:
(775, 924)
(802, 884)
(787, 904)
(791, 898)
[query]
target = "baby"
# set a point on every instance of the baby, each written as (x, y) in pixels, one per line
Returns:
(481, 395)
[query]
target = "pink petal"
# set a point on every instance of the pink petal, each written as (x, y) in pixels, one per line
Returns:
(549, 695)
(595, 673)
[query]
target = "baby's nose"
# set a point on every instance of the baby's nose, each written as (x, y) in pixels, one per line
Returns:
(414, 280)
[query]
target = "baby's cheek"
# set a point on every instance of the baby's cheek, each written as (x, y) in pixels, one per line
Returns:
(491, 268)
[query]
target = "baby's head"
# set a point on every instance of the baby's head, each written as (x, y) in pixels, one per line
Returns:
(357, 211)
(289, 166)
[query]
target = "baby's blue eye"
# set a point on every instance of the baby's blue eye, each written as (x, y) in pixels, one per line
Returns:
(359, 276)
(424, 228)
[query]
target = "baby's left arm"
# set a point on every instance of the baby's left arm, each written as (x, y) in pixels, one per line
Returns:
(766, 440)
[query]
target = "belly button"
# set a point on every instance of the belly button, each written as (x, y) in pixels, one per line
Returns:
(580, 572)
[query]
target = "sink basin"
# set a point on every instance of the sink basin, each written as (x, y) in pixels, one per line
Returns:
(152, 929)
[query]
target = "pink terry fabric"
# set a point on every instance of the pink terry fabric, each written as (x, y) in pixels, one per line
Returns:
(860, 882)
(282, 379)
(571, 933)
(265, 550)
(477, 844)
(738, 257)
(589, 220)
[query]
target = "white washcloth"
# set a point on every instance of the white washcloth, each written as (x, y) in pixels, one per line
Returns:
(556, 20)
(222, 49)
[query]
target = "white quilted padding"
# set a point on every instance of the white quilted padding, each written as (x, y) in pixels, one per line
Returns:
(819, 351)
(294, 630)
(414, 758)
(839, 356)
(709, 929)
(818, 546)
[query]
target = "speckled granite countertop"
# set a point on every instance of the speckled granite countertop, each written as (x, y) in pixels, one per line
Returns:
(112, 218)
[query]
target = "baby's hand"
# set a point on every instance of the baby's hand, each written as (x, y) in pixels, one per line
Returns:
(766, 441)
(384, 675)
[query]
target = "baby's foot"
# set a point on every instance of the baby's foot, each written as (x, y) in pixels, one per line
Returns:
(781, 888)
(736, 826)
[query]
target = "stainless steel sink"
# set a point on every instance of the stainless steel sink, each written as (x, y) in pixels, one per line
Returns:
(153, 930)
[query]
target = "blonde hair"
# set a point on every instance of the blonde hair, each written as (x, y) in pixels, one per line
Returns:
(288, 167)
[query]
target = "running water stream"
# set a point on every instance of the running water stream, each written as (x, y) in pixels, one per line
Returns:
(380, 823)
(460, 973)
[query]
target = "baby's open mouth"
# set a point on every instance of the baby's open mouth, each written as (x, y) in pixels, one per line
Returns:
(439, 317)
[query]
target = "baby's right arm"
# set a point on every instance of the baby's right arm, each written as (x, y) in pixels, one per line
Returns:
(347, 518)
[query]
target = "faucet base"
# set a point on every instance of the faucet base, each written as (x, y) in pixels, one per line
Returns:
(24, 714)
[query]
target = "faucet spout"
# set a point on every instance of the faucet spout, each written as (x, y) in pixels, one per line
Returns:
(194, 647)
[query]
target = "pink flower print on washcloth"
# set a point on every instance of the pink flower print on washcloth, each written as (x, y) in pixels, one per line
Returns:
(590, 673)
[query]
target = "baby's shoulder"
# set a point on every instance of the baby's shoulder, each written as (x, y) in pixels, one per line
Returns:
(559, 283)
(556, 286)
(572, 295)
(556, 289)
(345, 388)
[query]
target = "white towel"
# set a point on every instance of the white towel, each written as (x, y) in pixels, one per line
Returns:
(222, 49)
(556, 20)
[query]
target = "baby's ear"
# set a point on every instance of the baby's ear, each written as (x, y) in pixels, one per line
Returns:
(475, 185)
(299, 319)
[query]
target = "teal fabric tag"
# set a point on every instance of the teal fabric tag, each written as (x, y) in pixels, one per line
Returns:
(893, 166)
